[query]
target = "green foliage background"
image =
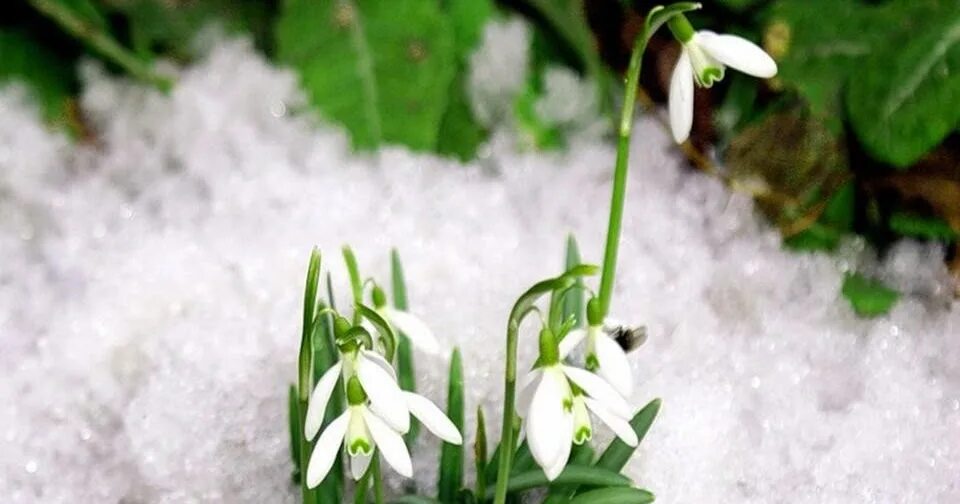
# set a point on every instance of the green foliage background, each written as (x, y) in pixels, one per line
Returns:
(857, 134)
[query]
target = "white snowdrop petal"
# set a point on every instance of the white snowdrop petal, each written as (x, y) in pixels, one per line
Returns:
(319, 398)
(528, 385)
(614, 366)
(571, 340)
(620, 426)
(359, 464)
(390, 443)
(380, 361)
(419, 333)
(737, 52)
(384, 393)
(326, 450)
(599, 389)
(564, 445)
(681, 98)
(543, 419)
(433, 418)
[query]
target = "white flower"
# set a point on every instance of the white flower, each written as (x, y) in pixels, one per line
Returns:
(552, 412)
(703, 61)
(604, 356)
(377, 416)
(361, 431)
(413, 327)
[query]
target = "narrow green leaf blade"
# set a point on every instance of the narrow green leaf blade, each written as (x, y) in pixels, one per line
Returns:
(406, 370)
(356, 285)
(480, 453)
(615, 496)
(572, 475)
(451, 456)
(618, 453)
(293, 416)
(573, 301)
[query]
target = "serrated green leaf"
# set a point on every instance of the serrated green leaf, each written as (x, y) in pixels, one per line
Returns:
(867, 296)
(451, 455)
(46, 77)
(615, 496)
(384, 80)
(905, 98)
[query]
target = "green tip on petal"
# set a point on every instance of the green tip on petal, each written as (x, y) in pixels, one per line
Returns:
(582, 435)
(360, 447)
(592, 363)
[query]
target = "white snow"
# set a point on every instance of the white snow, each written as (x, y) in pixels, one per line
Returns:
(150, 291)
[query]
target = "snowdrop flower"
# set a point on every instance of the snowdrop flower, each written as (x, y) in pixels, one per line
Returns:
(419, 333)
(550, 402)
(378, 413)
(604, 354)
(703, 61)
(360, 430)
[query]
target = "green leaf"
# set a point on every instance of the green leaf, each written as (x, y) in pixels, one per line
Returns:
(615, 496)
(905, 98)
(356, 285)
(309, 305)
(817, 53)
(480, 453)
(387, 337)
(293, 421)
(921, 226)
(460, 132)
(868, 297)
(384, 79)
(580, 455)
(739, 5)
(618, 453)
(571, 475)
(451, 455)
(414, 499)
(169, 28)
(48, 78)
(834, 222)
(406, 371)
(573, 302)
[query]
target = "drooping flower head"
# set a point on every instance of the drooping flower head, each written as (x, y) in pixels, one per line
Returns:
(703, 61)
(554, 400)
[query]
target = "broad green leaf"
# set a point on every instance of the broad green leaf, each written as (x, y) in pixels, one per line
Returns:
(571, 475)
(921, 226)
(47, 78)
(905, 98)
(618, 453)
(460, 134)
(406, 371)
(615, 496)
(867, 296)
(468, 18)
(385, 80)
(816, 52)
(451, 455)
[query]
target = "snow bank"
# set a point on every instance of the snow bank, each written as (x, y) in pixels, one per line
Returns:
(150, 289)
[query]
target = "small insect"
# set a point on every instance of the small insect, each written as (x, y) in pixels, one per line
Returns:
(629, 338)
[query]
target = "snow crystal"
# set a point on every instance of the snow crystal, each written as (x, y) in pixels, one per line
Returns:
(151, 287)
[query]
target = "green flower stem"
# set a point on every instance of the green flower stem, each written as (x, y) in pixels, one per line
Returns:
(101, 42)
(507, 440)
(620, 175)
(377, 481)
